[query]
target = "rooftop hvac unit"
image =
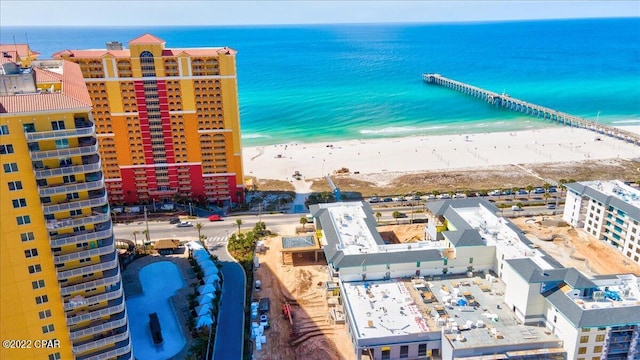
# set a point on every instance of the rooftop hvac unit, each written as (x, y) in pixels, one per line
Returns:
(598, 295)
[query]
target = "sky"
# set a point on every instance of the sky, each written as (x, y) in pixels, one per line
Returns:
(201, 12)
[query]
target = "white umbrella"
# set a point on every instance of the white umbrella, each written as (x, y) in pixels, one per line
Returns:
(203, 310)
(203, 321)
(206, 298)
(211, 271)
(205, 289)
(211, 279)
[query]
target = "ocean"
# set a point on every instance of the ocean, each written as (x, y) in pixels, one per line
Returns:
(317, 83)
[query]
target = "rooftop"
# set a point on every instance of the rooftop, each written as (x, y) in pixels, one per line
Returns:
(611, 192)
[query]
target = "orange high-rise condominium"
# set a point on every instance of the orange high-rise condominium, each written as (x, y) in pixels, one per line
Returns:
(167, 120)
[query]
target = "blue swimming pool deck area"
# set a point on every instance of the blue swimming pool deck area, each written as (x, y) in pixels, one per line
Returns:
(159, 280)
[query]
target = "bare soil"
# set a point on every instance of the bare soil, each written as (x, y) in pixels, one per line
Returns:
(481, 178)
(396, 234)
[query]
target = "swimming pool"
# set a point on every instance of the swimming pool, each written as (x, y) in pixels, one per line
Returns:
(159, 282)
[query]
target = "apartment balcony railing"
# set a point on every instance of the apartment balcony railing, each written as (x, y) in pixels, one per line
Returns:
(93, 201)
(162, 192)
(87, 130)
(91, 300)
(121, 351)
(68, 239)
(110, 277)
(88, 346)
(88, 149)
(93, 164)
(70, 188)
(78, 221)
(107, 248)
(113, 307)
(83, 270)
(100, 326)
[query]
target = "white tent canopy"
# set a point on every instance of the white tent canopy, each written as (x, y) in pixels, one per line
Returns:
(203, 310)
(194, 245)
(203, 321)
(206, 298)
(206, 289)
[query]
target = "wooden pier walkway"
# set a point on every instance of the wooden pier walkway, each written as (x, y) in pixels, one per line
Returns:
(553, 116)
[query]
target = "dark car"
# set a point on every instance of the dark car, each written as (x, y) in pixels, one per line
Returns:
(174, 220)
(387, 199)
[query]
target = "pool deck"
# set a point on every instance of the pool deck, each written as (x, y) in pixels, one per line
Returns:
(179, 302)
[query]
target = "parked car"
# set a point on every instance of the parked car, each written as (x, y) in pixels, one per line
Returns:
(522, 192)
(387, 199)
(538, 190)
(184, 224)
(374, 199)
(215, 218)
(258, 285)
(516, 208)
(551, 206)
(553, 190)
(175, 220)
(431, 197)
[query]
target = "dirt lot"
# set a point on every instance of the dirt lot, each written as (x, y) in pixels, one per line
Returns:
(601, 258)
(304, 287)
(395, 234)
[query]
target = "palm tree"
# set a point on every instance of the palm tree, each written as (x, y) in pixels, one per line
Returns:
(378, 215)
(199, 227)
(529, 190)
(436, 193)
(515, 190)
(546, 187)
(135, 239)
(396, 215)
(239, 222)
(502, 206)
(546, 197)
(303, 221)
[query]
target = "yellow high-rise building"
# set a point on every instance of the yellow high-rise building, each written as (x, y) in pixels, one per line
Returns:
(167, 120)
(60, 284)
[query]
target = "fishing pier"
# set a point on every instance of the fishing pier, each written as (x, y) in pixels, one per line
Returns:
(551, 115)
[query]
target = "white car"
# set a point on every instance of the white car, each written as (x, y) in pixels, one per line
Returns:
(184, 224)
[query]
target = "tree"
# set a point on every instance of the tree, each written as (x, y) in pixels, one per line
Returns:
(529, 190)
(135, 239)
(436, 193)
(515, 190)
(520, 205)
(199, 228)
(546, 197)
(378, 215)
(546, 187)
(303, 221)
(396, 215)
(502, 206)
(239, 222)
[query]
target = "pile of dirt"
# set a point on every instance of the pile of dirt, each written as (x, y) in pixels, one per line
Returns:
(402, 233)
(317, 349)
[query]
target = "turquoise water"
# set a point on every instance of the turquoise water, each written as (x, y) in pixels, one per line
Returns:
(338, 82)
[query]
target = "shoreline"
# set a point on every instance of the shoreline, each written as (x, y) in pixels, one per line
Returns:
(423, 153)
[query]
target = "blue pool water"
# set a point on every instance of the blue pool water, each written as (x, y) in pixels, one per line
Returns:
(159, 282)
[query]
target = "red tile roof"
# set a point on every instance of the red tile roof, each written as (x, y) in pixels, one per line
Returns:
(21, 49)
(74, 93)
(46, 76)
(147, 39)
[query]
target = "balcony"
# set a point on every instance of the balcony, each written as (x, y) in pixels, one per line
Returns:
(121, 350)
(85, 148)
(162, 192)
(121, 333)
(94, 200)
(85, 129)
(90, 164)
(107, 247)
(96, 184)
(100, 326)
(79, 237)
(97, 217)
(109, 277)
(107, 262)
(96, 299)
(113, 307)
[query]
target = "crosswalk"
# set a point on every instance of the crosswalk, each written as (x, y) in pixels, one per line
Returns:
(217, 239)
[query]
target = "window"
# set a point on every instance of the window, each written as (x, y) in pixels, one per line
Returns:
(55, 356)
(75, 212)
(44, 314)
(57, 125)
(26, 236)
(37, 284)
(597, 349)
(34, 268)
(584, 339)
(422, 349)
(82, 261)
(404, 351)
(386, 353)
(4, 130)
(68, 179)
(31, 253)
(47, 329)
(24, 219)
(15, 185)
(42, 299)
(6, 149)
(10, 168)
(62, 143)
(71, 196)
(19, 203)
(582, 350)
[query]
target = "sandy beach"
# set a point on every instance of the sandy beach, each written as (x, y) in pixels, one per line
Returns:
(423, 153)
